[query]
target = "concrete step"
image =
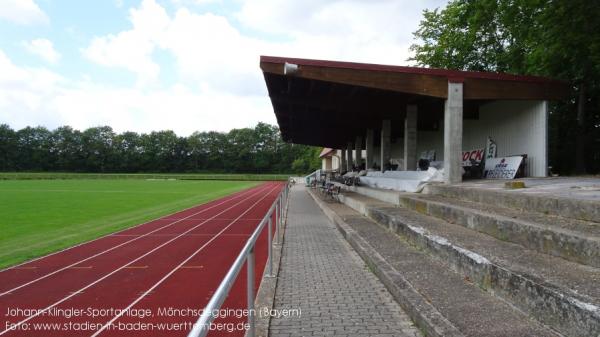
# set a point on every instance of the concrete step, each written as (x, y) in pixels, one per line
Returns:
(559, 293)
(574, 240)
(523, 199)
(440, 301)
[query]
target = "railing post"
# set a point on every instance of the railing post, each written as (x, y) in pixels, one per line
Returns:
(276, 223)
(250, 293)
(270, 246)
(279, 220)
(280, 211)
(282, 207)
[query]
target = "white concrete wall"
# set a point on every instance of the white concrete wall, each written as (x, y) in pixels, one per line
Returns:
(335, 162)
(326, 163)
(517, 127)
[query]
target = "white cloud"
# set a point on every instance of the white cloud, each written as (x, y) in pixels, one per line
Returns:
(217, 84)
(23, 12)
(36, 96)
(42, 48)
(377, 31)
(132, 49)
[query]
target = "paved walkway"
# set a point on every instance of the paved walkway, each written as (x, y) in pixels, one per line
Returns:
(324, 277)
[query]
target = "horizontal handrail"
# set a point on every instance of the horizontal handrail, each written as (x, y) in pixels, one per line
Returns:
(202, 325)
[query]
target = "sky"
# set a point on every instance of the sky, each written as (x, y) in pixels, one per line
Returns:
(181, 65)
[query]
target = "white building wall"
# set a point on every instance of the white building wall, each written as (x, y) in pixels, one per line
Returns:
(517, 127)
(335, 162)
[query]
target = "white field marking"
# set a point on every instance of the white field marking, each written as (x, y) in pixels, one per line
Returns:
(137, 237)
(217, 219)
(26, 267)
(175, 269)
(173, 234)
(38, 312)
(122, 230)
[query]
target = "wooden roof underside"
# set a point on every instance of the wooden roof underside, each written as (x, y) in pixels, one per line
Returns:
(329, 103)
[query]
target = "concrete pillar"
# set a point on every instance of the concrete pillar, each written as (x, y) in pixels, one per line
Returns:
(342, 166)
(453, 133)
(386, 132)
(410, 138)
(358, 151)
(350, 160)
(369, 148)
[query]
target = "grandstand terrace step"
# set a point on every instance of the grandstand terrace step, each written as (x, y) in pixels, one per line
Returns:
(568, 198)
(441, 301)
(574, 240)
(558, 293)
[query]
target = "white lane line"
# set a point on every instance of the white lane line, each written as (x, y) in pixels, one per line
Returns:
(124, 229)
(174, 269)
(38, 312)
(115, 247)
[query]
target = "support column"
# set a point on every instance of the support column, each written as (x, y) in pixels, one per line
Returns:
(386, 131)
(350, 161)
(453, 133)
(343, 165)
(358, 151)
(410, 138)
(369, 148)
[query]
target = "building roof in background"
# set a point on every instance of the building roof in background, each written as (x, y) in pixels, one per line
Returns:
(326, 152)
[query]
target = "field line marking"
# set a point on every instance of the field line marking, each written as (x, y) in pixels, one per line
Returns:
(26, 267)
(177, 268)
(117, 246)
(124, 229)
(38, 312)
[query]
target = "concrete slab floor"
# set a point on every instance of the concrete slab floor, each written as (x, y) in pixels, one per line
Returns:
(585, 188)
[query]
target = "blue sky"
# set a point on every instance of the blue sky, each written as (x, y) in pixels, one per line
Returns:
(185, 65)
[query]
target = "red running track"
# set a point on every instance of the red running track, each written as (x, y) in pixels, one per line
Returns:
(148, 280)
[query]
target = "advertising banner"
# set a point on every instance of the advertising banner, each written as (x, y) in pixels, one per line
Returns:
(476, 155)
(502, 168)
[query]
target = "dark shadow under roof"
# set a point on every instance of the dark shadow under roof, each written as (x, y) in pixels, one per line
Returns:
(327, 103)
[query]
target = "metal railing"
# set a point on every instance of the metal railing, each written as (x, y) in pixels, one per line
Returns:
(202, 325)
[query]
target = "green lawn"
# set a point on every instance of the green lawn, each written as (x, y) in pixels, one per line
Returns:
(41, 216)
(178, 176)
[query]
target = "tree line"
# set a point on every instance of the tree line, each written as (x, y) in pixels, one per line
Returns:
(100, 149)
(554, 38)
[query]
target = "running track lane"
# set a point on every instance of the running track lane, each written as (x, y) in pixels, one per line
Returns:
(203, 247)
(53, 287)
(33, 271)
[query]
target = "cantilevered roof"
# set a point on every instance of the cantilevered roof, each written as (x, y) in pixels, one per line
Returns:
(327, 103)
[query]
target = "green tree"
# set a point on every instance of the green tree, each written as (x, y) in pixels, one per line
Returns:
(554, 38)
(34, 149)
(98, 149)
(8, 148)
(128, 150)
(67, 148)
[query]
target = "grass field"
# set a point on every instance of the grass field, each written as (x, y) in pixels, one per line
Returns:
(178, 176)
(41, 216)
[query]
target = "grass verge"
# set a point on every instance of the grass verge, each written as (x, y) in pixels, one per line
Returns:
(143, 176)
(38, 217)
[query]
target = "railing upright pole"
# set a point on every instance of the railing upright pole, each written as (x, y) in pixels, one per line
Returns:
(270, 223)
(280, 217)
(277, 223)
(250, 293)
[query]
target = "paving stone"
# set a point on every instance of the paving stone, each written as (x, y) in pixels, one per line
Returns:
(324, 277)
